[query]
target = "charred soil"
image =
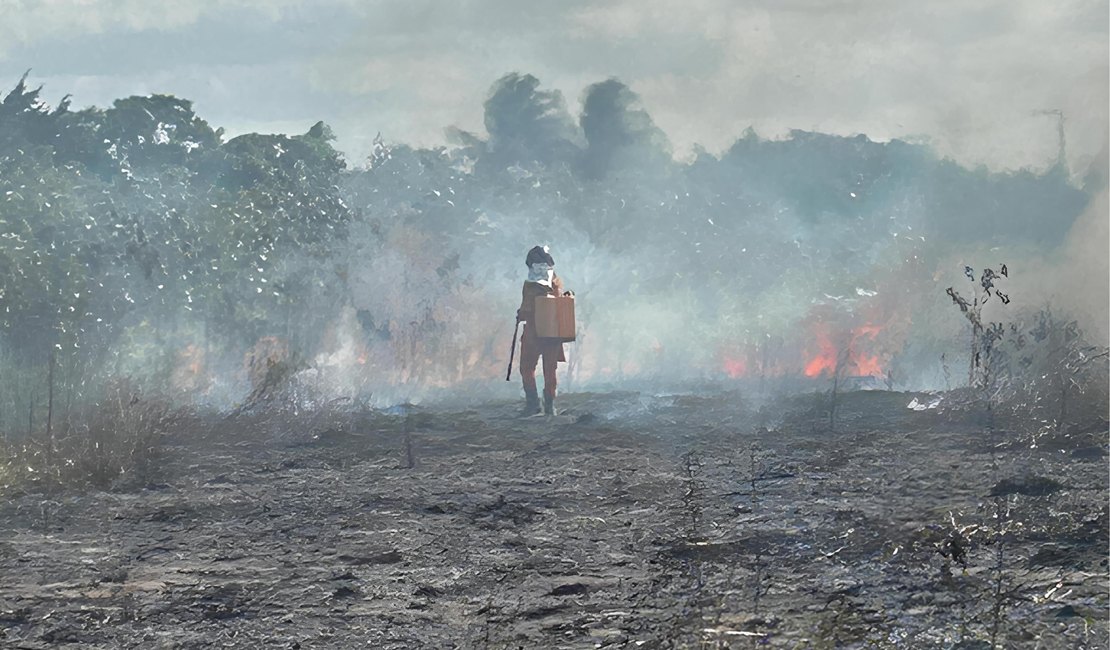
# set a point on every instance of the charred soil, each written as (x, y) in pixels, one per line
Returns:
(627, 521)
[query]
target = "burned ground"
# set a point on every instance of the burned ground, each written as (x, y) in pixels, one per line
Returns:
(629, 521)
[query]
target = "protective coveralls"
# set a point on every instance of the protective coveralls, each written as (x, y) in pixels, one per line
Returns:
(541, 281)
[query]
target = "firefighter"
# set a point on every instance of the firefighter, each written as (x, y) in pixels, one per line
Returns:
(541, 281)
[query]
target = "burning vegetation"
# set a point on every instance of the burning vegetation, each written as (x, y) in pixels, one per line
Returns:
(227, 351)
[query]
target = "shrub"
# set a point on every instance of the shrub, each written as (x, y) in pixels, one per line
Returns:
(113, 443)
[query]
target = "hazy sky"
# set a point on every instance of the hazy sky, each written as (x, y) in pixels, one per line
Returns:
(964, 75)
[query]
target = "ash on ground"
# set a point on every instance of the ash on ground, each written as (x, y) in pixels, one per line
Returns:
(627, 521)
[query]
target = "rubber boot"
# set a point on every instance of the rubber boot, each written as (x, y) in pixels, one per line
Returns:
(531, 403)
(548, 404)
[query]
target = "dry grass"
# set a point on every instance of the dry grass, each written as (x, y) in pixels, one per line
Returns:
(112, 444)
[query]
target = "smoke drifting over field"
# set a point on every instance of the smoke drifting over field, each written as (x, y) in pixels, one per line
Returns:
(768, 261)
(145, 243)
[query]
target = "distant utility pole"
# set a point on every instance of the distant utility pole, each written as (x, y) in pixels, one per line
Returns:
(1061, 144)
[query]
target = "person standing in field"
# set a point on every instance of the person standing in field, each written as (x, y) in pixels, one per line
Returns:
(541, 281)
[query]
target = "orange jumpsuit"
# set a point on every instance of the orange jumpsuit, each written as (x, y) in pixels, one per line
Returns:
(531, 347)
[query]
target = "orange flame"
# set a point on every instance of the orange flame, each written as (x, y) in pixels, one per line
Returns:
(868, 366)
(735, 367)
(825, 360)
(858, 363)
(821, 364)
